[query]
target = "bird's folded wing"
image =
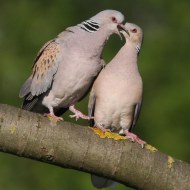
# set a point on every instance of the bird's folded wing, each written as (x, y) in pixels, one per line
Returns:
(91, 105)
(44, 69)
(136, 114)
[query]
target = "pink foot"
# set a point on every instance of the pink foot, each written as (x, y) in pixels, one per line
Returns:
(78, 114)
(101, 127)
(53, 117)
(134, 138)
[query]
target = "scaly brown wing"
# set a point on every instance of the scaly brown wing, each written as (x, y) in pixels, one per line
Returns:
(44, 69)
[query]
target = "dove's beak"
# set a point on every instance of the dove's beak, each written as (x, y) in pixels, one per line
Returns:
(122, 29)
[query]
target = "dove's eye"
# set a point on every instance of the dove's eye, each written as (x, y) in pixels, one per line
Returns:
(114, 19)
(134, 30)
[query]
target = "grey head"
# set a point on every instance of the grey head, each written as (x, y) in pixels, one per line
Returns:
(111, 20)
(133, 34)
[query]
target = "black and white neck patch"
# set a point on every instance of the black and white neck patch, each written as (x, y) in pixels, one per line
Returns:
(138, 49)
(90, 26)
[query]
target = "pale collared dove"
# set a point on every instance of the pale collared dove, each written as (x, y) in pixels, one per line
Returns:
(66, 66)
(116, 96)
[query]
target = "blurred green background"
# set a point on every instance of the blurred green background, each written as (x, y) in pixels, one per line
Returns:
(25, 25)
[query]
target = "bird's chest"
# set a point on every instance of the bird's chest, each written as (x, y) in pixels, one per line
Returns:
(115, 107)
(73, 81)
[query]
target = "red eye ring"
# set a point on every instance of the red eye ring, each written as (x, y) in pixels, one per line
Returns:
(114, 19)
(134, 30)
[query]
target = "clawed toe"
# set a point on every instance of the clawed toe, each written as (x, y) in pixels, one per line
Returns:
(53, 117)
(74, 116)
(135, 138)
(101, 127)
(78, 114)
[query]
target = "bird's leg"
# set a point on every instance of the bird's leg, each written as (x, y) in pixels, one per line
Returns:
(101, 127)
(52, 116)
(78, 114)
(134, 138)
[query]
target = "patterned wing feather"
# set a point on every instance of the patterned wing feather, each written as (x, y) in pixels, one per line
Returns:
(45, 67)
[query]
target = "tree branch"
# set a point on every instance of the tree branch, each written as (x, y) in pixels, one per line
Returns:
(69, 145)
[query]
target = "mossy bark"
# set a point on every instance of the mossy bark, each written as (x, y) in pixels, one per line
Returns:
(68, 145)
